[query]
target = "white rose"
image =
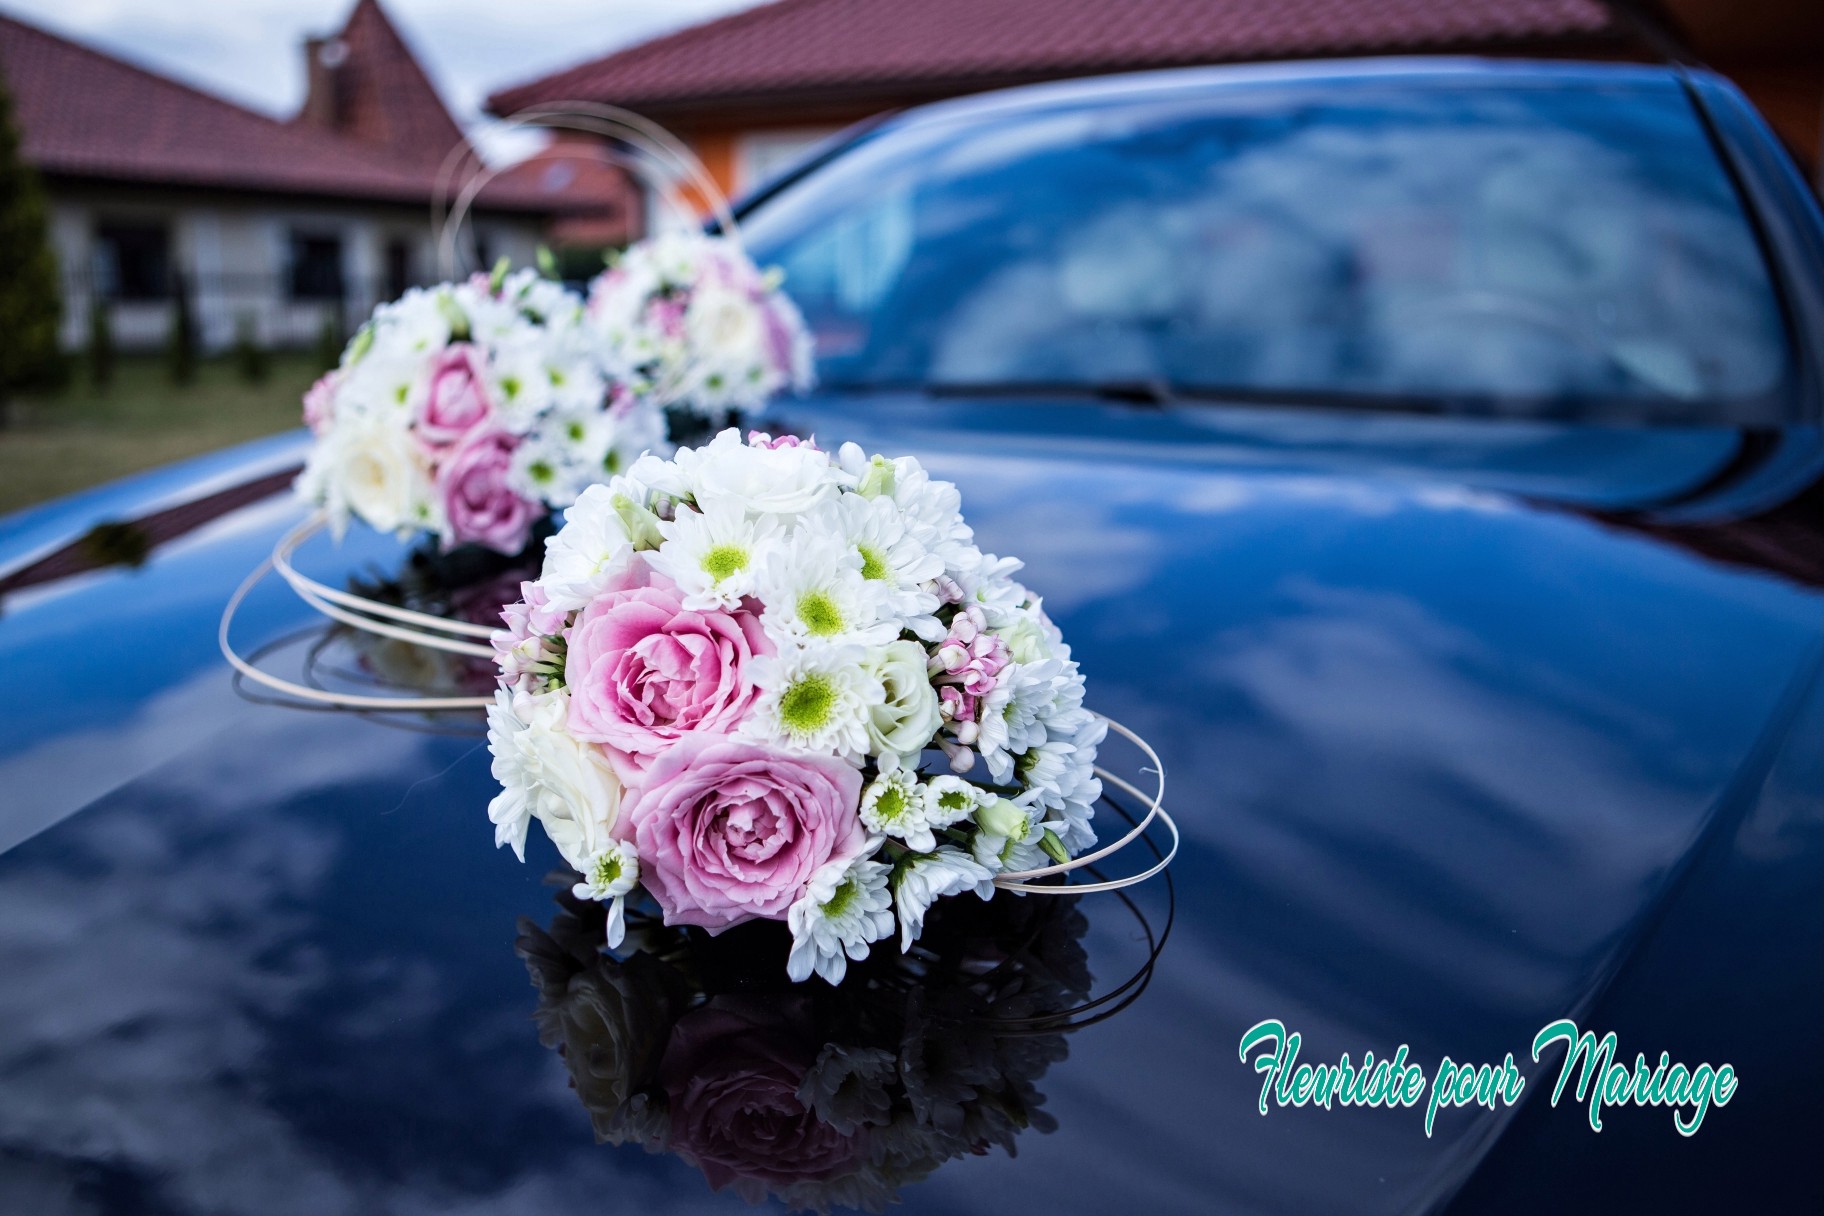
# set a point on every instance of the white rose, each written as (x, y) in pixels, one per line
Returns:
(724, 325)
(572, 790)
(907, 719)
(379, 474)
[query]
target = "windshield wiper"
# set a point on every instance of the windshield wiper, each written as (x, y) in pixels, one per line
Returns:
(1150, 394)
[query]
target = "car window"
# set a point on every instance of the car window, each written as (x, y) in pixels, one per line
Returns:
(1460, 246)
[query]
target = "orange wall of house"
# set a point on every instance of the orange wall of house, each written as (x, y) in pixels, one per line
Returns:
(716, 149)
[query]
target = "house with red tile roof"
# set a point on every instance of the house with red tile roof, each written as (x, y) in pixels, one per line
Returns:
(156, 186)
(751, 91)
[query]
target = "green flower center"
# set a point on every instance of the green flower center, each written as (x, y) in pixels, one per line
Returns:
(891, 805)
(807, 703)
(873, 565)
(955, 802)
(540, 471)
(607, 871)
(724, 560)
(575, 431)
(820, 614)
(509, 386)
(845, 895)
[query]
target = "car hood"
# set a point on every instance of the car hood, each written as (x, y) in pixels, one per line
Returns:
(1456, 750)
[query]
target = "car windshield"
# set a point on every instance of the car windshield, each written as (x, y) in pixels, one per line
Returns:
(1454, 244)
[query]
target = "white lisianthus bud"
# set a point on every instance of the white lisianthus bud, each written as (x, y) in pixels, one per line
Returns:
(1003, 818)
(877, 480)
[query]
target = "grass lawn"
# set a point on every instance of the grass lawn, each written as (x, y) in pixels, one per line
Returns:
(85, 436)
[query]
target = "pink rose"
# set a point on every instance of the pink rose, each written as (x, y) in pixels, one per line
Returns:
(732, 1071)
(643, 672)
(458, 399)
(477, 501)
(729, 831)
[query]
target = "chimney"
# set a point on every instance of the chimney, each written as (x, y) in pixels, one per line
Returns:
(323, 83)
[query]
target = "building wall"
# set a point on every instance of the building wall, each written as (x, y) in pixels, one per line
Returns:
(235, 253)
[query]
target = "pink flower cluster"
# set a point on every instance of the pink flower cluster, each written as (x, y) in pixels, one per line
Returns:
(966, 668)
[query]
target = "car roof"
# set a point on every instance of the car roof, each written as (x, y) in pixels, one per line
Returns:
(1406, 71)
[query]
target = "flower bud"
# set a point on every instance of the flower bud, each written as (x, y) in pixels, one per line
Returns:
(878, 480)
(1002, 818)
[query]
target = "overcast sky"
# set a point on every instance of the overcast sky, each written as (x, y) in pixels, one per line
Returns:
(248, 50)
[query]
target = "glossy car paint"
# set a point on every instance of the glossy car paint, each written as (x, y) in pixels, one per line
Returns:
(1460, 741)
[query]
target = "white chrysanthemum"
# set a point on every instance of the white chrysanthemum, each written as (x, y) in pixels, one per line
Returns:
(714, 555)
(520, 379)
(950, 800)
(894, 805)
(890, 555)
(990, 586)
(548, 776)
(1060, 776)
(610, 875)
(815, 700)
(731, 473)
(845, 907)
(922, 881)
(932, 509)
(389, 381)
(590, 549)
(1030, 636)
(813, 591)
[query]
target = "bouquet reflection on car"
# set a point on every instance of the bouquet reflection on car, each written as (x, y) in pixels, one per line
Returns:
(821, 1096)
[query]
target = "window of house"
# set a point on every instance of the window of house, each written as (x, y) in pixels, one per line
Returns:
(132, 261)
(398, 268)
(316, 266)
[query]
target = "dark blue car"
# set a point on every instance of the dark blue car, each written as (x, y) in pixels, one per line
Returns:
(1424, 457)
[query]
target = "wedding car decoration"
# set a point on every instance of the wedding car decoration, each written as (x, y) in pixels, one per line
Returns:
(684, 1046)
(691, 319)
(762, 681)
(470, 410)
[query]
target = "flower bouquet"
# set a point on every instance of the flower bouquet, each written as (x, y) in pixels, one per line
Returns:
(693, 321)
(761, 681)
(470, 410)
(838, 1101)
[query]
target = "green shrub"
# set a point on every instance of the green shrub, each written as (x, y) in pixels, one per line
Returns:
(101, 343)
(250, 358)
(180, 346)
(31, 302)
(330, 340)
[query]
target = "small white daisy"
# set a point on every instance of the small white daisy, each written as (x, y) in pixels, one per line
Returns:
(894, 805)
(950, 800)
(611, 874)
(922, 881)
(813, 591)
(815, 700)
(890, 555)
(845, 907)
(714, 554)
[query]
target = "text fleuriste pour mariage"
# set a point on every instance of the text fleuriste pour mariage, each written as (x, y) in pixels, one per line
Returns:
(1395, 1081)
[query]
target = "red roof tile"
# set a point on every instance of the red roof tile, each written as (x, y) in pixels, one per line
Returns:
(383, 97)
(82, 113)
(807, 48)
